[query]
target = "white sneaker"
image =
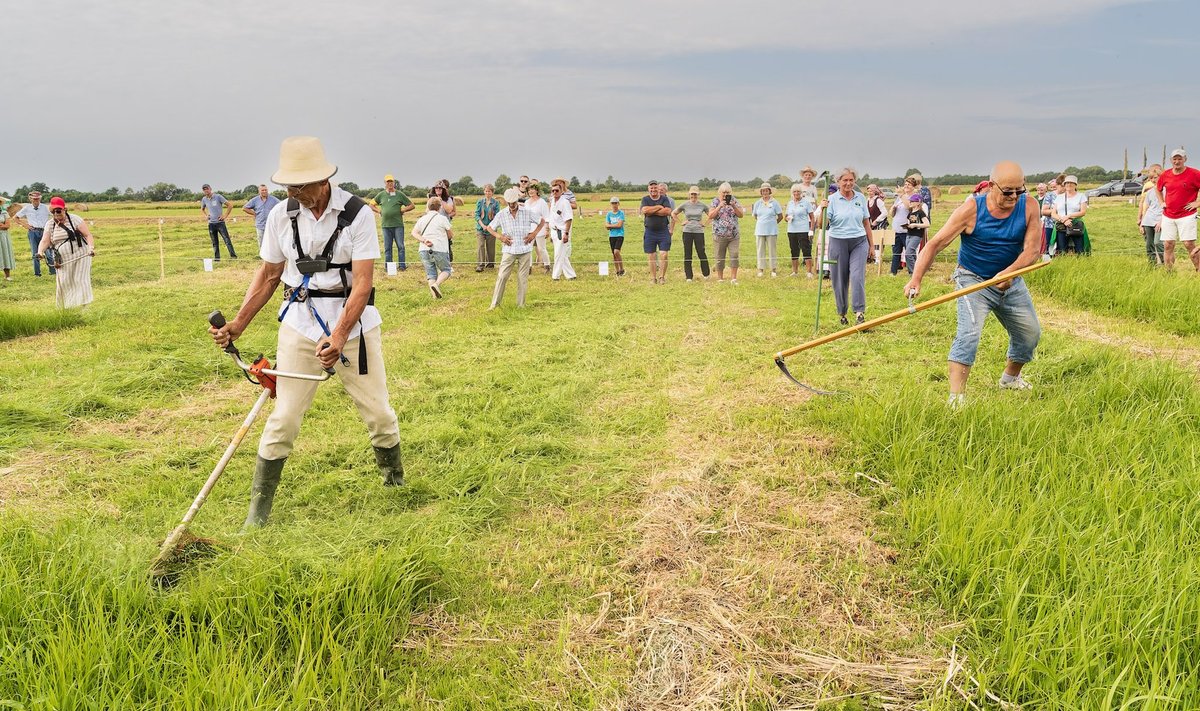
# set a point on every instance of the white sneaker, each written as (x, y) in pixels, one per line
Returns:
(733, 281)
(808, 275)
(760, 272)
(1017, 383)
(687, 279)
(956, 401)
(774, 274)
(794, 274)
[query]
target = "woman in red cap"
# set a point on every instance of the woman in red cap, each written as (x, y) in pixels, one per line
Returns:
(74, 247)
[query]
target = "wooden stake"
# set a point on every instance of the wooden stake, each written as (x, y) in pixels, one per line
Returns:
(162, 257)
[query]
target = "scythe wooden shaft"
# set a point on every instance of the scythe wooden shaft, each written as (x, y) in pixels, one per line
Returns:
(782, 355)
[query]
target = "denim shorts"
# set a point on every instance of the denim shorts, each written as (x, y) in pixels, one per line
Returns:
(656, 241)
(1013, 309)
(435, 262)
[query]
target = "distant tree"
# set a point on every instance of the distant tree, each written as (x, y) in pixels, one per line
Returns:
(162, 192)
(350, 187)
(708, 183)
(778, 181)
(464, 186)
(112, 193)
(573, 181)
(502, 183)
(587, 187)
(910, 171)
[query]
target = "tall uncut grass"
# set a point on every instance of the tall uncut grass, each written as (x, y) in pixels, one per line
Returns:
(83, 630)
(1126, 286)
(15, 323)
(1062, 526)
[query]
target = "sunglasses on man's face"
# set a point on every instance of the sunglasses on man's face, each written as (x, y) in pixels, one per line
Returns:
(57, 211)
(1011, 192)
(295, 189)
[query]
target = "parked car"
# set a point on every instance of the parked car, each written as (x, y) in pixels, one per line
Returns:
(1115, 188)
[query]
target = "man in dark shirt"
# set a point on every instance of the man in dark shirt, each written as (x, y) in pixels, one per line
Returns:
(656, 243)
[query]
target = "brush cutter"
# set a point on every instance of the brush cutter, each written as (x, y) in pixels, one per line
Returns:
(181, 546)
(913, 308)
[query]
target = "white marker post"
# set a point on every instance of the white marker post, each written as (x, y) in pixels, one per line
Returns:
(208, 264)
(162, 258)
(603, 268)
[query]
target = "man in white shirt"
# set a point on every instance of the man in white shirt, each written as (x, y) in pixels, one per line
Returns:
(561, 214)
(328, 311)
(34, 217)
(515, 229)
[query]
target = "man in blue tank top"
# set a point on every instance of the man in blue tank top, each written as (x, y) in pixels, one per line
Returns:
(1001, 232)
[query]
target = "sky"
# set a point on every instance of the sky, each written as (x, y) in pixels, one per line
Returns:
(128, 93)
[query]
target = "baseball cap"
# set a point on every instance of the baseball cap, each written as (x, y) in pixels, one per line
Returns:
(56, 201)
(694, 189)
(614, 198)
(982, 185)
(512, 195)
(388, 177)
(1179, 152)
(206, 185)
(914, 198)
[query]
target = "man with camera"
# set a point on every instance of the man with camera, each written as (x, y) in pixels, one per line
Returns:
(321, 244)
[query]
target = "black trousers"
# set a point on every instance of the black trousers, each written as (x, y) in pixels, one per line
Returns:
(694, 240)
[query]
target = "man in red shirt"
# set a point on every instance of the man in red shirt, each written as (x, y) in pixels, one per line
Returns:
(1178, 189)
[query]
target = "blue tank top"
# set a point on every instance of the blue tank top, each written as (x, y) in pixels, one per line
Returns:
(995, 243)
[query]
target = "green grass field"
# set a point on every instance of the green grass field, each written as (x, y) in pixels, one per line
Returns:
(614, 498)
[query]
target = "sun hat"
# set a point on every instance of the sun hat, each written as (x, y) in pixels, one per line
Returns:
(694, 189)
(914, 198)
(559, 179)
(302, 161)
(35, 193)
(1070, 179)
(1179, 152)
(56, 201)
(614, 198)
(388, 177)
(808, 169)
(512, 195)
(766, 186)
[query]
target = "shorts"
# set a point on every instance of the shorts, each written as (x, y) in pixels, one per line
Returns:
(1181, 228)
(800, 242)
(435, 262)
(656, 242)
(615, 243)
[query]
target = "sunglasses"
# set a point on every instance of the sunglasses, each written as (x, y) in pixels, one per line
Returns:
(57, 211)
(295, 189)
(1011, 192)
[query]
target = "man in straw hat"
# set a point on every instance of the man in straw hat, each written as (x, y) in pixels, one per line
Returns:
(1001, 232)
(322, 245)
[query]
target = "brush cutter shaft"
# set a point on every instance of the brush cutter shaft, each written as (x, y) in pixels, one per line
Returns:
(237, 358)
(912, 309)
(216, 473)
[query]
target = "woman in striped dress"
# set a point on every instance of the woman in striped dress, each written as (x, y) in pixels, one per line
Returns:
(74, 245)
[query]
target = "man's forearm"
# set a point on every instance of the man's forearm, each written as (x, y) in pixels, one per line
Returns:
(261, 288)
(360, 293)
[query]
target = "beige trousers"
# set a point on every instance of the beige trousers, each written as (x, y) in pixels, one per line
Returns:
(293, 397)
(523, 262)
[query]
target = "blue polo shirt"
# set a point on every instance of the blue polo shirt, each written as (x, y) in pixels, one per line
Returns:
(765, 214)
(261, 208)
(215, 206)
(846, 215)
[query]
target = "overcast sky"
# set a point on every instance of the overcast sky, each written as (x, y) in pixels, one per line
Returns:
(129, 93)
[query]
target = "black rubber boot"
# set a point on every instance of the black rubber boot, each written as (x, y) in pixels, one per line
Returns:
(262, 491)
(388, 460)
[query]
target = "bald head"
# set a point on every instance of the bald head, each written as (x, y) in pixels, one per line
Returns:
(1008, 172)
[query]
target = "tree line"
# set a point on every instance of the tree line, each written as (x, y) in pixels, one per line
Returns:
(169, 192)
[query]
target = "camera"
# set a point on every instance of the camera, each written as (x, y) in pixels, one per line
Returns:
(729, 199)
(312, 265)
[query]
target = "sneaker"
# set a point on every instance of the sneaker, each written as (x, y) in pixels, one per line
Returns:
(760, 272)
(1017, 383)
(479, 269)
(860, 318)
(809, 275)
(705, 277)
(794, 274)
(733, 281)
(437, 293)
(688, 280)
(845, 321)
(774, 274)
(956, 401)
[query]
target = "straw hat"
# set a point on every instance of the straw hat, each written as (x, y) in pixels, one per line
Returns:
(808, 169)
(1070, 179)
(559, 179)
(766, 186)
(302, 161)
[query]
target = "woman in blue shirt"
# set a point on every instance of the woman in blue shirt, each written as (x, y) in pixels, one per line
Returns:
(851, 244)
(768, 214)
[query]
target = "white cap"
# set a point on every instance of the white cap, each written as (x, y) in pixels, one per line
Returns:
(512, 195)
(1179, 152)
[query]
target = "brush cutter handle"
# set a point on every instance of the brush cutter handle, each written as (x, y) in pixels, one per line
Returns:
(216, 319)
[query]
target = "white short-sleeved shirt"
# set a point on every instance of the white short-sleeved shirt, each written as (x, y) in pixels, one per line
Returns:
(358, 241)
(37, 217)
(560, 212)
(1066, 206)
(538, 210)
(434, 227)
